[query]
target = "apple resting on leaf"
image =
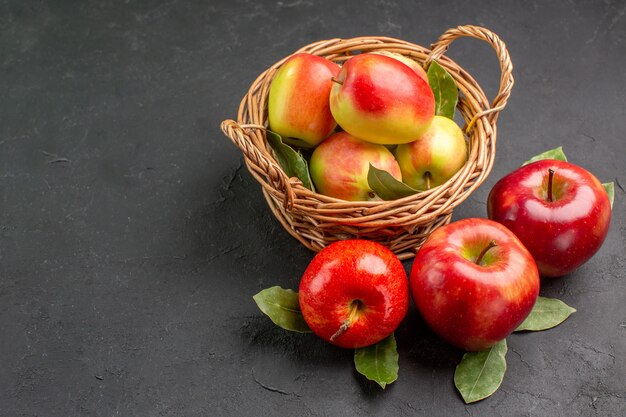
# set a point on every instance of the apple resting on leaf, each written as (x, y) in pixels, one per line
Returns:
(298, 104)
(559, 211)
(435, 157)
(354, 293)
(339, 166)
(381, 100)
(474, 282)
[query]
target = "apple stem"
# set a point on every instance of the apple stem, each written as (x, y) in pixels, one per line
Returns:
(355, 305)
(427, 175)
(491, 244)
(333, 79)
(550, 177)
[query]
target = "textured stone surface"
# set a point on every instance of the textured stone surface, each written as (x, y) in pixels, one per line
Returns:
(132, 237)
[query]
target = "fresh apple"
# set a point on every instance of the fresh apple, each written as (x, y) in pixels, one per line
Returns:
(419, 70)
(381, 100)
(339, 166)
(354, 293)
(298, 103)
(559, 211)
(435, 157)
(474, 283)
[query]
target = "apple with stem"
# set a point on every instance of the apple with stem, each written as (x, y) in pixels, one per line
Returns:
(559, 211)
(354, 293)
(432, 159)
(339, 166)
(381, 100)
(298, 102)
(474, 282)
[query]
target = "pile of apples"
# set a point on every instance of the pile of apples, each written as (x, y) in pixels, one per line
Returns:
(377, 108)
(474, 281)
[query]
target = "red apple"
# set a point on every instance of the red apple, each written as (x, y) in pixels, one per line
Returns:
(474, 283)
(298, 103)
(339, 166)
(354, 293)
(559, 211)
(435, 157)
(381, 100)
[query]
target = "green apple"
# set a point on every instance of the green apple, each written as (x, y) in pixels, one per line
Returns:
(435, 157)
(339, 166)
(379, 99)
(298, 103)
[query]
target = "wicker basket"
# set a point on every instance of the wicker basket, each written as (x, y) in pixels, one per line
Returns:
(401, 225)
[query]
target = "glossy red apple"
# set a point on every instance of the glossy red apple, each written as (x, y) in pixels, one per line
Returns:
(339, 166)
(414, 65)
(298, 103)
(559, 211)
(354, 293)
(474, 283)
(381, 100)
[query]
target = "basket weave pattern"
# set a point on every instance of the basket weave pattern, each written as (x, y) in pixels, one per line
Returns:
(402, 225)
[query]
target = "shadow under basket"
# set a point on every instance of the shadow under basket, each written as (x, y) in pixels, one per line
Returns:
(401, 225)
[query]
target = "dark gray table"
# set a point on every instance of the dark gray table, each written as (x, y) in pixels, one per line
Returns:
(132, 238)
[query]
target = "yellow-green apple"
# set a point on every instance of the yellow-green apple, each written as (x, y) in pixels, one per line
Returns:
(435, 157)
(474, 283)
(339, 166)
(298, 103)
(559, 211)
(419, 70)
(354, 293)
(381, 100)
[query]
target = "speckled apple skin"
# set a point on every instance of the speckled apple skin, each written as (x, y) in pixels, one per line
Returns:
(354, 270)
(339, 166)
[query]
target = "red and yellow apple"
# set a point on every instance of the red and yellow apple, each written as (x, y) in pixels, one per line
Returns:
(419, 70)
(474, 283)
(339, 166)
(354, 293)
(559, 211)
(379, 99)
(298, 103)
(434, 157)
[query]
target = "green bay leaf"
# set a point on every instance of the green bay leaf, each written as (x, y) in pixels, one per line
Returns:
(609, 187)
(556, 153)
(445, 90)
(546, 314)
(283, 308)
(479, 374)
(379, 362)
(385, 186)
(291, 161)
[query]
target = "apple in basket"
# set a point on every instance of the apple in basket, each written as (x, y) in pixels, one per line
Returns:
(354, 293)
(559, 211)
(414, 65)
(339, 166)
(381, 100)
(435, 157)
(298, 102)
(474, 283)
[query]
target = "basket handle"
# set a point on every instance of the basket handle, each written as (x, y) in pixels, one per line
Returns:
(239, 135)
(506, 66)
